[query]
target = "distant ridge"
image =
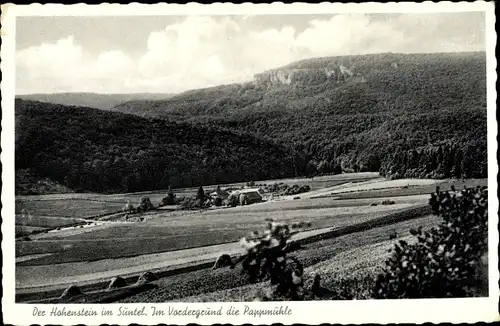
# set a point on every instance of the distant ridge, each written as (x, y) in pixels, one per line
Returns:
(93, 100)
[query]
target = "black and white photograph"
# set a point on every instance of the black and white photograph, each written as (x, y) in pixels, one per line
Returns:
(250, 157)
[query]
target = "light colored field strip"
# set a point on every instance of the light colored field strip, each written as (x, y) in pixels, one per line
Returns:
(30, 257)
(377, 185)
(338, 188)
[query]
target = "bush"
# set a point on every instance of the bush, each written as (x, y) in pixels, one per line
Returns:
(169, 199)
(71, 292)
(443, 262)
(128, 208)
(200, 195)
(267, 259)
(145, 205)
(189, 202)
(147, 277)
(337, 169)
(218, 201)
(284, 189)
(233, 199)
(194, 203)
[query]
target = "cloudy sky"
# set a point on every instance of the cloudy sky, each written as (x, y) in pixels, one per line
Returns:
(170, 54)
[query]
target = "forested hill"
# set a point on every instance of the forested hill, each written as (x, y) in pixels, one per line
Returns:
(92, 150)
(92, 100)
(416, 115)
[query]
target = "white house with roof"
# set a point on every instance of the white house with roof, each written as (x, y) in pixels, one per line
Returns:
(246, 196)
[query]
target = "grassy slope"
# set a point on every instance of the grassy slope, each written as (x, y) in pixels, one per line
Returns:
(198, 285)
(417, 190)
(81, 208)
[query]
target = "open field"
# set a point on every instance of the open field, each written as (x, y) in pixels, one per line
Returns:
(80, 208)
(224, 284)
(344, 186)
(166, 264)
(168, 233)
(163, 238)
(86, 205)
(46, 221)
(51, 276)
(406, 187)
(25, 229)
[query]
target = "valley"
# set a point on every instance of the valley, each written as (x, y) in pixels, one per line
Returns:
(120, 185)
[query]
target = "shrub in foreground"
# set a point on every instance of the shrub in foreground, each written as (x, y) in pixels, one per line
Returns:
(267, 259)
(444, 261)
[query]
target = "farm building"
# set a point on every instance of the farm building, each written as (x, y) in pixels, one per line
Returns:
(244, 197)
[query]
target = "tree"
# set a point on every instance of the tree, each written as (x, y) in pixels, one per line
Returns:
(146, 204)
(200, 194)
(170, 198)
(311, 169)
(171, 194)
(337, 168)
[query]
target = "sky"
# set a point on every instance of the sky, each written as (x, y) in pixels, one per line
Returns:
(171, 54)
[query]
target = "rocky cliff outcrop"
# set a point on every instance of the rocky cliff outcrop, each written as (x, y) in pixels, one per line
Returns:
(302, 76)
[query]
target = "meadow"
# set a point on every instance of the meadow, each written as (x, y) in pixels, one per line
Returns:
(68, 208)
(92, 205)
(167, 233)
(46, 222)
(354, 251)
(120, 245)
(404, 190)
